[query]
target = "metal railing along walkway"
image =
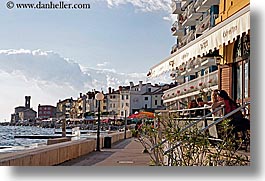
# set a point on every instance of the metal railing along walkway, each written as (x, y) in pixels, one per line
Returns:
(199, 120)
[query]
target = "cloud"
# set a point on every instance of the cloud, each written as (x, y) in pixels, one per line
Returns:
(143, 5)
(48, 77)
(104, 64)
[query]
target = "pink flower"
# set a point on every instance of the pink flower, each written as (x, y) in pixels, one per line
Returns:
(200, 84)
(192, 87)
(178, 91)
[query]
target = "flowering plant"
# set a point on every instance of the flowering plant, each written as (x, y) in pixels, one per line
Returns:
(192, 87)
(201, 84)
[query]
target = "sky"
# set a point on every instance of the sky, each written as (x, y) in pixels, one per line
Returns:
(129, 36)
(56, 54)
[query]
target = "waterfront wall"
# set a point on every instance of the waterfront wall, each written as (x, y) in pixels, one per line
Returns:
(57, 153)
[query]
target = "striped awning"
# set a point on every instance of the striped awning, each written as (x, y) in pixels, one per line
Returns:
(225, 32)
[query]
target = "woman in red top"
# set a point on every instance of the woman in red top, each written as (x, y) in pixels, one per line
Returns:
(237, 120)
(229, 104)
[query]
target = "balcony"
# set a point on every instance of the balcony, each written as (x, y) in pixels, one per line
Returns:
(210, 2)
(187, 2)
(191, 67)
(190, 15)
(176, 7)
(174, 48)
(207, 62)
(203, 25)
(204, 5)
(187, 38)
(177, 29)
(193, 87)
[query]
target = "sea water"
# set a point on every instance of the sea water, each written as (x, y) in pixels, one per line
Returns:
(7, 134)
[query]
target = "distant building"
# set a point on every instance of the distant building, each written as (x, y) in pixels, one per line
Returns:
(135, 98)
(24, 112)
(63, 108)
(113, 102)
(46, 112)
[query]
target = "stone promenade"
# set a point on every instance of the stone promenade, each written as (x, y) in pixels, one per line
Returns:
(127, 152)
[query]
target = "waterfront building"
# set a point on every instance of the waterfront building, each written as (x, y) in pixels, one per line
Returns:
(90, 103)
(23, 113)
(63, 108)
(135, 98)
(46, 112)
(79, 107)
(113, 102)
(208, 53)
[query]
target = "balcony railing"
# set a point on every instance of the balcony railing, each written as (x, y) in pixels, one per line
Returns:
(201, 83)
(187, 38)
(210, 2)
(190, 15)
(203, 25)
(187, 2)
(177, 29)
(174, 48)
(204, 5)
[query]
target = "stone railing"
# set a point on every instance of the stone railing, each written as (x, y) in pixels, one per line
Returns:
(56, 153)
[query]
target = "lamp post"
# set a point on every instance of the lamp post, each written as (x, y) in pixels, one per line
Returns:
(99, 97)
(125, 121)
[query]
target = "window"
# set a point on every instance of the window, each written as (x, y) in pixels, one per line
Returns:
(246, 73)
(113, 105)
(149, 89)
(239, 82)
(127, 104)
(145, 106)
(122, 97)
(146, 98)
(113, 97)
(156, 102)
(110, 105)
(127, 96)
(122, 113)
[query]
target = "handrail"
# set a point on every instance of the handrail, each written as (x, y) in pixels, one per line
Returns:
(204, 117)
(207, 127)
(201, 118)
(170, 149)
(224, 117)
(191, 109)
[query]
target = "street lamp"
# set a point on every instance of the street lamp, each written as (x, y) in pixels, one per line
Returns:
(99, 97)
(125, 121)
